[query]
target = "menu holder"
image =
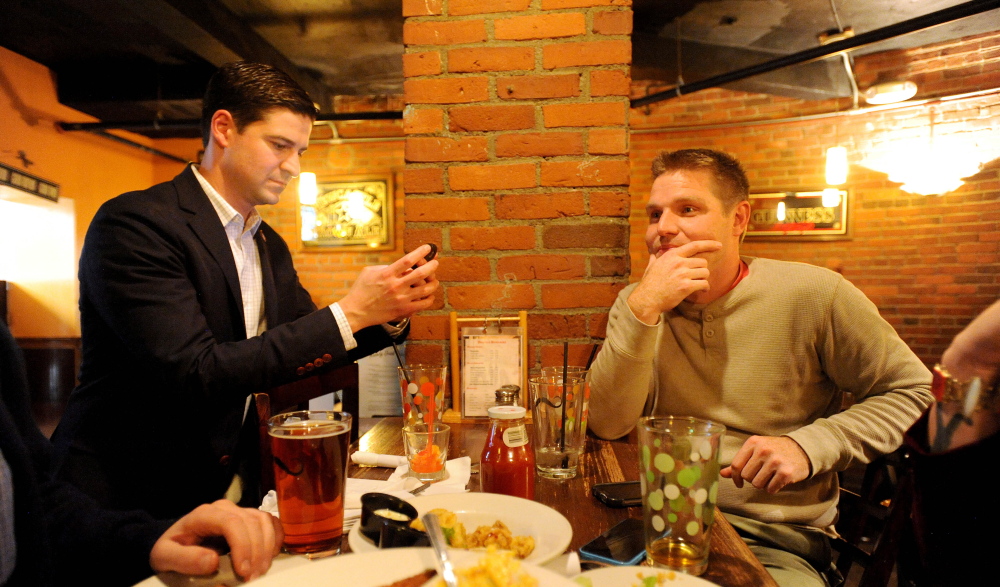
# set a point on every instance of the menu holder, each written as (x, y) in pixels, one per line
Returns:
(486, 353)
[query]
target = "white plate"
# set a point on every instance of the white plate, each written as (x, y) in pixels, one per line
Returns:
(549, 528)
(382, 567)
(631, 576)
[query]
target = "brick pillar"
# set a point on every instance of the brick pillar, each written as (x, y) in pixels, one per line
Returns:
(517, 163)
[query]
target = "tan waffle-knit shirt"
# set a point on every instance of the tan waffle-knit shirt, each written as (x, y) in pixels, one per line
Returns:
(772, 357)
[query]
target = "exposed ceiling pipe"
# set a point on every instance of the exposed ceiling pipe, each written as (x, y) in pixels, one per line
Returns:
(140, 126)
(140, 146)
(817, 116)
(894, 30)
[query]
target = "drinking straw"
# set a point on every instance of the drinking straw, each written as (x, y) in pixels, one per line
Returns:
(593, 353)
(399, 360)
(562, 438)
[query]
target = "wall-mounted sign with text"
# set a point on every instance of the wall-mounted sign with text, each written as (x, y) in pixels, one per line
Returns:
(352, 213)
(820, 214)
(26, 182)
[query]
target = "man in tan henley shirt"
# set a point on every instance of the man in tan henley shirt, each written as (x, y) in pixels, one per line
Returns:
(766, 348)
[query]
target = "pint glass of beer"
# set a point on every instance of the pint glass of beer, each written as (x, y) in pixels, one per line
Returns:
(310, 473)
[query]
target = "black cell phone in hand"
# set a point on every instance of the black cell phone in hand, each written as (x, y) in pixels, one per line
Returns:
(623, 544)
(618, 495)
(429, 256)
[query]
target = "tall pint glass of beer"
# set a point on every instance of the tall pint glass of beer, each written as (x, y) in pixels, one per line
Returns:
(310, 472)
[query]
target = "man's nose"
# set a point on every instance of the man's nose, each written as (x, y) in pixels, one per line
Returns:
(292, 164)
(667, 224)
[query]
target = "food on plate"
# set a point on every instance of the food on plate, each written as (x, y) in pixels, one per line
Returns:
(656, 580)
(416, 580)
(498, 535)
(498, 568)
(453, 530)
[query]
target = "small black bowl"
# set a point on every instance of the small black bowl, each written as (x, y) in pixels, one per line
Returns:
(372, 523)
(391, 536)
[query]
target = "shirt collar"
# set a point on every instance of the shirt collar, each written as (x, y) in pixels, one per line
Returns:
(227, 214)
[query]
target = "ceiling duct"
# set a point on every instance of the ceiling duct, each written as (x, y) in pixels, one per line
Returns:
(912, 25)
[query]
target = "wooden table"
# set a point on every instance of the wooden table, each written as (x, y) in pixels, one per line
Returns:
(730, 563)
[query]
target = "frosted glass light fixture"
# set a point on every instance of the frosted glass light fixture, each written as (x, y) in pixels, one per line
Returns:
(836, 165)
(307, 188)
(890, 92)
(831, 198)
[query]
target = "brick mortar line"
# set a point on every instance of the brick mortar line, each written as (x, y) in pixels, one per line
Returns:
(541, 190)
(530, 11)
(501, 281)
(538, 43)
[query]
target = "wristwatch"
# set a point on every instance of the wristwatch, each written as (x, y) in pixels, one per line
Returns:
(972, 394)
(396, 329)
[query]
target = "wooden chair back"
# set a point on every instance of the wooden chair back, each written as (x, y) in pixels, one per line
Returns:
(295, 396)
(889, 546)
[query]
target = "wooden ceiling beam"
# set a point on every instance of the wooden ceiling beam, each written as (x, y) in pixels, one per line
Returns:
(213, 32)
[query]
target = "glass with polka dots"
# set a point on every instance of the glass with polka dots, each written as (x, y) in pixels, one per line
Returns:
(679, 474)
(423, 388)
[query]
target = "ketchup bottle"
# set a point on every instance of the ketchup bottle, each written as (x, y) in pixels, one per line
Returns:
(508, 461)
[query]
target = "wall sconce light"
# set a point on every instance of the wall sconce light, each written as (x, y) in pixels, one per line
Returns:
(830, 198)
(307, 188)
(890, 92)
(836, 165)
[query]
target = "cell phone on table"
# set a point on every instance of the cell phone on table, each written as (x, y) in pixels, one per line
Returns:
(623, 544)
(618, 495)
(429, 256)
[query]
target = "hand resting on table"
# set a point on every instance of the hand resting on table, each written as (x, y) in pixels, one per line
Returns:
(254, 538)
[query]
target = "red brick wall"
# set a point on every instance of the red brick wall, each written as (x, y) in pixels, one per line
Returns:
(930, 263)
(517, 163)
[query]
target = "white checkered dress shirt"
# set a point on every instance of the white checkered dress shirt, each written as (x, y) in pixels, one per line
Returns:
(240, 233)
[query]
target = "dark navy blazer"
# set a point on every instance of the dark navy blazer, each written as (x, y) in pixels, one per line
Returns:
(155, 422)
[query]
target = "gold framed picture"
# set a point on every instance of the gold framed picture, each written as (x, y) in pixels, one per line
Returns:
(800, 215)
(353, 213)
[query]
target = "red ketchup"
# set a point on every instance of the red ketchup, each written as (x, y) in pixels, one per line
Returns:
(508, 461)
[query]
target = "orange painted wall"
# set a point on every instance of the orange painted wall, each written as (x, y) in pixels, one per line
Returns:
(89, 169)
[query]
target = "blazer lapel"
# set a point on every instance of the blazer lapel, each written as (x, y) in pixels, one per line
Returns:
(204, 222)
(267, 278)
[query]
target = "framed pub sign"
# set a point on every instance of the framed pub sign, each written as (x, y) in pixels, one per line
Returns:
(352, 213)
(806, 215)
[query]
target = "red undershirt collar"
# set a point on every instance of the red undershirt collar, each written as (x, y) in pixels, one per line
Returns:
(744, 271)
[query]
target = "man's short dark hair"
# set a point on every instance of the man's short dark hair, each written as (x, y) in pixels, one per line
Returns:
(726, 171)
(247, 91)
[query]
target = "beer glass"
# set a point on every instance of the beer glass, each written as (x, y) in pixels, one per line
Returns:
(310, 449)
(679, 474)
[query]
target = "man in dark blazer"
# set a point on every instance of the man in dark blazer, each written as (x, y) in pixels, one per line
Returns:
(188, 306)
(52, 534)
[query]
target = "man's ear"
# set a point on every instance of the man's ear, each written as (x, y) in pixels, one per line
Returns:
(741, 218)
(222, 128)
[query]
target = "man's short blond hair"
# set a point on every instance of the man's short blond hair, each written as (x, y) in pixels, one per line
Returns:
(730, 179)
